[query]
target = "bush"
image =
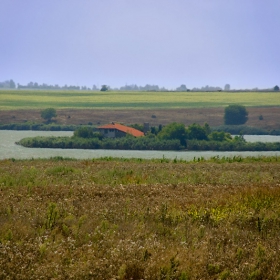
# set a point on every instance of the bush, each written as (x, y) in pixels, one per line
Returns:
(235, 115)
(220, 136)
(195, 131)
(125, 143)
(241, 129)
(48, 114)
(174, 131)
(84, 132)
(37, 126)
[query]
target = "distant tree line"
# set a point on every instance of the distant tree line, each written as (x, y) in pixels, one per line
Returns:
(32, 85)
(208, 88)
(8, 84)
(147, 87)
(132, 87)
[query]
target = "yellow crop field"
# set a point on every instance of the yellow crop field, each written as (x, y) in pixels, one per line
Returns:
(36, 99)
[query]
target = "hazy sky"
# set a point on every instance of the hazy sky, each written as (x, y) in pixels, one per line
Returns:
(163, 42)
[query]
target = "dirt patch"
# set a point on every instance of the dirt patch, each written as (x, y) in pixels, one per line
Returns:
(213, 116)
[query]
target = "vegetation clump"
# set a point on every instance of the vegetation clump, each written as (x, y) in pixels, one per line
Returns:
(235, 115)
(48, 114)
(174, 136)
(38, 126)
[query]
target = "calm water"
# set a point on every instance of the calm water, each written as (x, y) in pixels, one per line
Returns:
(8, 149)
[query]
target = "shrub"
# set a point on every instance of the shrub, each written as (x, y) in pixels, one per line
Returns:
(174, 131)
(235, 115)
(48, 114)
(195, 131)
(84, 132)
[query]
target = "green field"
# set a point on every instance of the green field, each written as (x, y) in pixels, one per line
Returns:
(34, 99)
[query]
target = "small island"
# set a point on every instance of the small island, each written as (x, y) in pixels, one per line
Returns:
(174, 136)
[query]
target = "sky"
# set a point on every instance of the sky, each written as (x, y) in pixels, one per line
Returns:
(158, 42)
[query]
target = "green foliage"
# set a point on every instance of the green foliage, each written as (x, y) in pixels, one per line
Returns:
(84, 132)
(235, 115)
(276, 88)
(195, 131)
(12, 84)
(174, 131)
(48, 114)
(60, 170)
(207, 129)
(138, 126)
(225, 275)
(172, 137)
(124, 143)
(38, 126)
(170, 272)
(155, 130)
(104, 88)
(239, 138)
(213, 269)
(246, 130)
(52, 215)
(237, 144)
(220, 136)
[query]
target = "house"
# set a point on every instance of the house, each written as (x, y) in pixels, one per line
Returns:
(114, 130)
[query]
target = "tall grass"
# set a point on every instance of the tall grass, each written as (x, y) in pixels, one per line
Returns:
(140, 219)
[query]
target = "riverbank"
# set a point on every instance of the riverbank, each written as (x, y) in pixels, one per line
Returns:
(123, 219)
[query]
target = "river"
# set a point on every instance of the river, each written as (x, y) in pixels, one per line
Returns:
(8, 149)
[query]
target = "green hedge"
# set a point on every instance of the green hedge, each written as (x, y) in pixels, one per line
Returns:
(196, 145)
(245, 130)
(144, 143)
(39, 126)
(126, 143)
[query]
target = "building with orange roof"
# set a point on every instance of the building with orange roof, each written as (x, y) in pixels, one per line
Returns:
(114, 130)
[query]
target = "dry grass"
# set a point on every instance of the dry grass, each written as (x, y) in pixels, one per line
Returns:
(137, 219)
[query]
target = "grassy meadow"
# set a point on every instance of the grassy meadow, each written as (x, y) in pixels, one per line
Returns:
(140, 219)
(36, 99)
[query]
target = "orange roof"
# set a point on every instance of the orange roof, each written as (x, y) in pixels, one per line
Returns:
(134, 132)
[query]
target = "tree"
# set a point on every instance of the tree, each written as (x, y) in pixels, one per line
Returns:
(182, 88)
(195, 131)
(12, 84)
(174, 131)
(104, 88)
(227, 87)
(235, 115)
(220, 136)
(84, 132)
(48, 114)
(207, 129)
(276, 88)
